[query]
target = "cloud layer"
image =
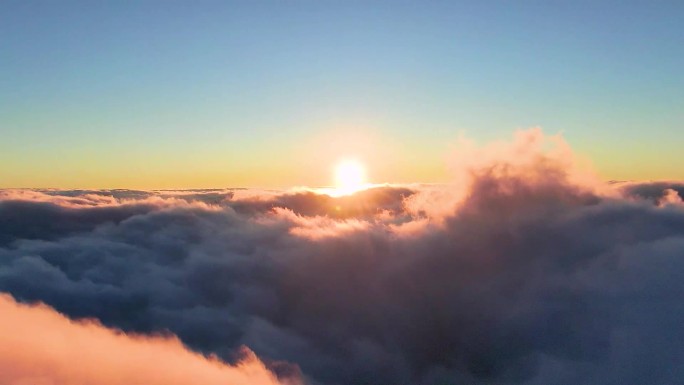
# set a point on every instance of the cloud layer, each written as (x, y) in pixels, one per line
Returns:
(526, 271)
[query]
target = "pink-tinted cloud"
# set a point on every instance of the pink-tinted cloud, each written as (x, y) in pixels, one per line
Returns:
(39, 346)
(530, 158)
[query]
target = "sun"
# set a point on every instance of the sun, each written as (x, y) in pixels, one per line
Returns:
(350, 176)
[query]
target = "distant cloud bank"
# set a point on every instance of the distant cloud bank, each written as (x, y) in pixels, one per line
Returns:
(526, 270)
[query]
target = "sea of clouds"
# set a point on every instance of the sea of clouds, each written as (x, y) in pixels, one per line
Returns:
(527, 269)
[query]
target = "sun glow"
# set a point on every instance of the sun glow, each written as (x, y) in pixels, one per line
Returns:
(349, 177)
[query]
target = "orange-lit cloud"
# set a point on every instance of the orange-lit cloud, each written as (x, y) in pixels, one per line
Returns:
(41, 347)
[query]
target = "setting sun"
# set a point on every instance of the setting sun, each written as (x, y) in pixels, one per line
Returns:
(349, 176)
(341, 192)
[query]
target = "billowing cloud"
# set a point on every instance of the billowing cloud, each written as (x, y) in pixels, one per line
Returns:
(42, 347)
(526, 270)
(653, 191)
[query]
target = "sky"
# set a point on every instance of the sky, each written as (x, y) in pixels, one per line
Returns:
(169, 94)
(182, 193)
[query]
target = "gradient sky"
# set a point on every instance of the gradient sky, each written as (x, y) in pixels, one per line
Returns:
(168, 94)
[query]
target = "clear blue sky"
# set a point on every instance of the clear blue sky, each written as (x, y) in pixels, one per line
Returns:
(199, 93)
